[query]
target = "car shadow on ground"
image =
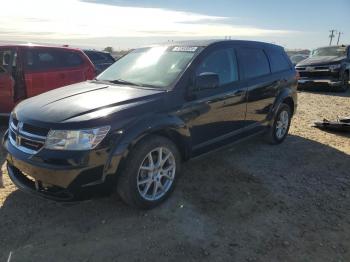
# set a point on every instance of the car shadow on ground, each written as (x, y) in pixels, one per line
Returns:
(253, 201)
(324, 91)
(338, 133)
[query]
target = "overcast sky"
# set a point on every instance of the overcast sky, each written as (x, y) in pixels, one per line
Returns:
(129, 24)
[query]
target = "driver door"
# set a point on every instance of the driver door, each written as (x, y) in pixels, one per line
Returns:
(220, 111)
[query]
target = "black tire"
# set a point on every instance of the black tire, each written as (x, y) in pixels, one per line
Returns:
(271, 135)
(345, 83)
(128, 188)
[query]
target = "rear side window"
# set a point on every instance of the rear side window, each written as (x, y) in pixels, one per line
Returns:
(278, 61)
(222, 62)
(254, 62)
(44, 59)
(99, 57)
(71, 59)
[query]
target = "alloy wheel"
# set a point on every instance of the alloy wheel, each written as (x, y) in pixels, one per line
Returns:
(156, 174)
(282, 124)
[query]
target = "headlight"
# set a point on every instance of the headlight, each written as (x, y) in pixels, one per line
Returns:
(75, 139)
(334, 67)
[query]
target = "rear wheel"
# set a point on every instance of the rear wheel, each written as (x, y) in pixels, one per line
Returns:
(150, 172)
(280, 127)
(345, 82)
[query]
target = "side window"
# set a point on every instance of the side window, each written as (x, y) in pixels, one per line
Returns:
(94, 56)
(222, 62)
(7, 56)
(71, 59)
(254, 62)
(278, 61)
(41, 59)
(108, 58)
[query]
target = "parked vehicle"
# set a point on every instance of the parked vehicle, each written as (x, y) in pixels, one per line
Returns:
(101, 60)
(298, 58)
(29, 70)
(328, 66)
(155, 107)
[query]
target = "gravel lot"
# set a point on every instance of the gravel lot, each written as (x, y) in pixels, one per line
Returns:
(253, 202)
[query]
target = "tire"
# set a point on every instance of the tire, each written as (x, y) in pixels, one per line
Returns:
(273, 136)
(345, 83)
(140, 178)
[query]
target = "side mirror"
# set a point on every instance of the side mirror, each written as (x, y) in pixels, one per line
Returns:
(207, 80)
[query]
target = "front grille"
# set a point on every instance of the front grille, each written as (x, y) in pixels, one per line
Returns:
(27, 138)
(314, 74)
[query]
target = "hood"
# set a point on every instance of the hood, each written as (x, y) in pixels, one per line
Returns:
(321, 60)
(83, 101)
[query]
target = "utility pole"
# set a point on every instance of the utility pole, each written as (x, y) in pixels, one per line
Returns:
(331, 35)
(339, 33)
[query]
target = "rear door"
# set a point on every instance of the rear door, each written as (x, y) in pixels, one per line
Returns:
(262, 87)
(42, 70)
(73, 66)
(7, 82)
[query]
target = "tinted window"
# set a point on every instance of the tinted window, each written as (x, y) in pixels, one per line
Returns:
(43, 59)
(278, 61)
(94, 56)
(221, 62)
(7, 56)
(254, 62)
(99, 57)
(70, 59)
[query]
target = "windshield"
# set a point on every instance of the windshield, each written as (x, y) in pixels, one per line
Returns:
(298, 58)
(151, 67)
(330, 51)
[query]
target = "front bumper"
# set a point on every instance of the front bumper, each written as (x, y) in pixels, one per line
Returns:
(319, 81)
(59, 175)
(320, 77)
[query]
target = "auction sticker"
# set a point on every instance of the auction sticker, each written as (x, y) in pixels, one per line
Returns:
(185, 48)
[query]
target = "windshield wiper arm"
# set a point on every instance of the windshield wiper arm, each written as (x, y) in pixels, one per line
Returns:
(123, 82)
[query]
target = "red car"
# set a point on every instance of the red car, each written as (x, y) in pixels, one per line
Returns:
(29, 70)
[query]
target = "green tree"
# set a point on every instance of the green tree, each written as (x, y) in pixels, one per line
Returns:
(108, 49)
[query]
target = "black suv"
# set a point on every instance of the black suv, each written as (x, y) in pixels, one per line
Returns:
(328, 66)
(131, 128)
(101, 60)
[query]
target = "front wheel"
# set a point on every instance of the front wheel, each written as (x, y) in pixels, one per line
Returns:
(280, 127)
(149, 173)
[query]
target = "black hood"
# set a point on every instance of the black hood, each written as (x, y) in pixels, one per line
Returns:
(321, 60)
(83, 101)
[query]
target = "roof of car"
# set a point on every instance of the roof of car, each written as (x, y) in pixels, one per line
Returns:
(96, 51)
(38, 45)
(205, 43)
(332, 46)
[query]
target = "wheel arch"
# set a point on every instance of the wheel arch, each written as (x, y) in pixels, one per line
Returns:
(169, 127)
(287, 96)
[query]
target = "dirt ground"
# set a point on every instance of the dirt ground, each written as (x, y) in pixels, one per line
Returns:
(253, 202)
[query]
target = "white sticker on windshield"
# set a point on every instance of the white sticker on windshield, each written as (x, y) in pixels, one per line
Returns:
(185, 48)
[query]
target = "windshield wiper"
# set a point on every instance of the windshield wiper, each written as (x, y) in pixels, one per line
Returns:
(123, 82)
